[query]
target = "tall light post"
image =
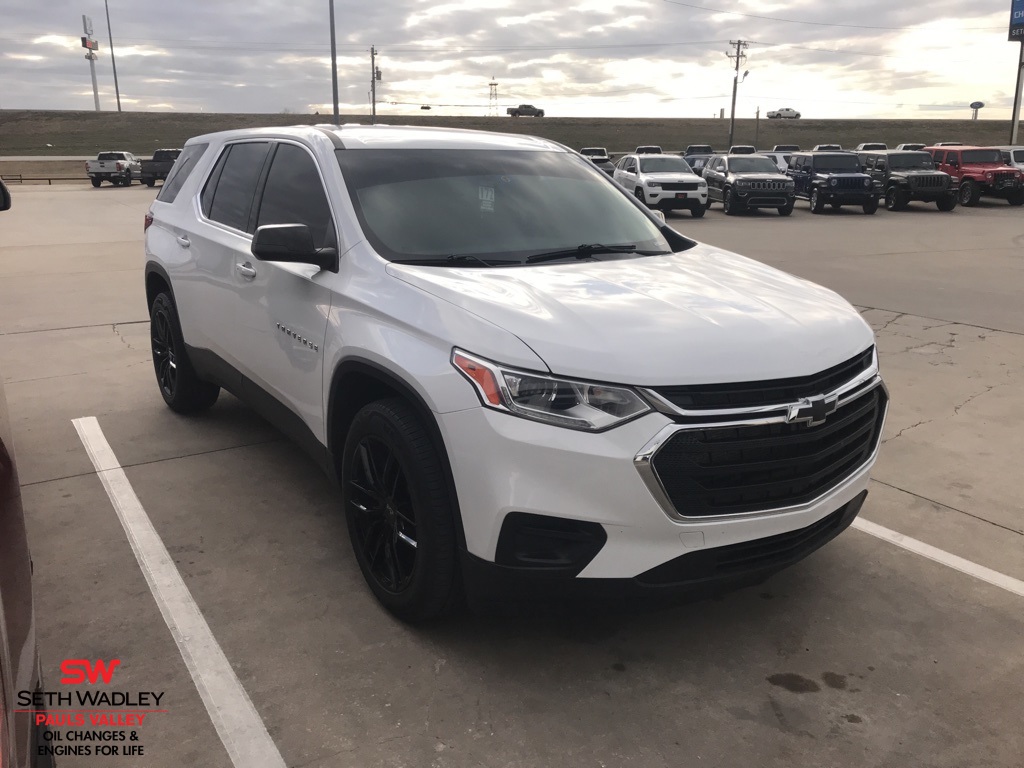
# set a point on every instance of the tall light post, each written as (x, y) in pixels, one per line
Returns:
(739, 56)
(113, 63)
(334, 67)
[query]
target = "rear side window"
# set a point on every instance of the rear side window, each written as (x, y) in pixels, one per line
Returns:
(294, 194)
(229, 192)
(180, 172)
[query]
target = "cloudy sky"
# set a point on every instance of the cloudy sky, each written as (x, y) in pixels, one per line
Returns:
(618, 58)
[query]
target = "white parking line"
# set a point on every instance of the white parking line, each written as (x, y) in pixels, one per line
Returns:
(237, 722)
(1001, 580)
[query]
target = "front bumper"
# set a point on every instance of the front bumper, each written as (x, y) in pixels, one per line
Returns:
(502, 464)
(674, 200)
(757, 198)
(849, 196)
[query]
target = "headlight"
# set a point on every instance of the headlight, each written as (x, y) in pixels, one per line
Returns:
(833, 181)
(562, 402)
(988, 175)
(790, 184)
(653, 184)
(701, 184)
(742, 183)
(867, 183)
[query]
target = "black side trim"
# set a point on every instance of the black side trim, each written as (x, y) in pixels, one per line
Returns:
(211, 367)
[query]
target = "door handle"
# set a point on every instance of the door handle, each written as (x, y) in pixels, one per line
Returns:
(246, 270)
(183, 241)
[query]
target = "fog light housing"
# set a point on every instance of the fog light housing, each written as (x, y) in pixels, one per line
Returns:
(541, 542)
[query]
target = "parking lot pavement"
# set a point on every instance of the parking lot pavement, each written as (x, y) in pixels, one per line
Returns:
(864, 654)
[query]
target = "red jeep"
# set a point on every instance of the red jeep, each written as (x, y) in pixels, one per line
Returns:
(981, 171)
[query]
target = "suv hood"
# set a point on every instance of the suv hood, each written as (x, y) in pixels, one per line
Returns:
(670, 176)
(842, 174)
(761, 176)
(696, 317)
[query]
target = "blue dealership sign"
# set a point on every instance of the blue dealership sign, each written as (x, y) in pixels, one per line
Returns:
(1017, 20)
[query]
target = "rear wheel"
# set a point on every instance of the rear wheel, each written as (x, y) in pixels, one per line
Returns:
(181, 388)
(150, 182)
(970, 193)
(400, 518)
(96, 182)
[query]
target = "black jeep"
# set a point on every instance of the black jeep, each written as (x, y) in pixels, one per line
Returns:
(906, 176)
(832, 178)
(742, 182)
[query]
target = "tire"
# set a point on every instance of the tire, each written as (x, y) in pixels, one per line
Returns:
(182, 390)
(698, 211)
(1015, 198)
(970, 193)
(786, 210)
(871, 207)
(96, 182)
(947, 203)
(729, 205)
(836, 206)
(816, 202)
(896, 199)
(638, 193)
(394, 492)
(541, 113)
(150, 182)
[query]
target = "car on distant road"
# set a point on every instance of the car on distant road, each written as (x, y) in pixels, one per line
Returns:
(525, 110)
(698, 149)
(159, 166)
(870, 146)
(522, 380)
(910, 147)
(20, 736)
(786, 148)
(648, 149)
(786, 113)
(743, 182)
(664, 182)
(908, 176)
(117, 167)
(827, 148)
(981, 172)
(833, 178)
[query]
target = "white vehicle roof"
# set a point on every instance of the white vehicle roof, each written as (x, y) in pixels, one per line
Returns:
(358, 136)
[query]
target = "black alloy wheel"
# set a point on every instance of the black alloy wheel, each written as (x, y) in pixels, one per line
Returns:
(180, 386)
(164, 359)
(385, 519)
(729, 204)
(638, 193)
(816, 202)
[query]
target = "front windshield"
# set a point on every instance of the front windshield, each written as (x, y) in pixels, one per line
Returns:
(982, 156)
(664, 164)
(837, 164)
(497, 205)
(912, 161)
(752, 165)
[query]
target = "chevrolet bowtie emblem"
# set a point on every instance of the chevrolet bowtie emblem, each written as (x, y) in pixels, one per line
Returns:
(812, 411)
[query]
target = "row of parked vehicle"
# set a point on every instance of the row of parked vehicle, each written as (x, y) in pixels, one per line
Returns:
(743, 178)
(121, 168)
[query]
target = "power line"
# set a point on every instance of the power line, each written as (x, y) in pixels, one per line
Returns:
(809, 23)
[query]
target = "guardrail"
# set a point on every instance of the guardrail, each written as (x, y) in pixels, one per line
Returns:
(18, 178)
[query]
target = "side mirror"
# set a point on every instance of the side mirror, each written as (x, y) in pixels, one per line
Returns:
(291, 243)
(5, 197)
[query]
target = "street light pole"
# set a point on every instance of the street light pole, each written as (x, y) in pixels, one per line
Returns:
(334, 67)
(113, 63)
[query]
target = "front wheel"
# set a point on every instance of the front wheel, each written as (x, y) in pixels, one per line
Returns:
(970, 193)
(638, 193)
(400, 518)
(1015, 198)
(181, 388)
(729, 203)
(870, 207)
(817, 202)
(787, 209)
(947, 203)
(896, 199)
(698, 211)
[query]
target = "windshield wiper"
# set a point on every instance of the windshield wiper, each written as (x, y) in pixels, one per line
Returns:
(451, 258)
(587, 251)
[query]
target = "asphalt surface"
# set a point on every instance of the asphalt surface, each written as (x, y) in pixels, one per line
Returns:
(863, 655)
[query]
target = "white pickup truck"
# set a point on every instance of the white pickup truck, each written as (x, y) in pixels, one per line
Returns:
(119, 168)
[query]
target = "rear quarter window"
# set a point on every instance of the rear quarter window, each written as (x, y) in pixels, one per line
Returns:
(230, 190)
(180, 172)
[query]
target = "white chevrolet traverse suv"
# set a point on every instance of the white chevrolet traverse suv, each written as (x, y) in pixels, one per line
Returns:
(522, 380)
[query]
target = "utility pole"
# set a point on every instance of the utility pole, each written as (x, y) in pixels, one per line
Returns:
(374, 77)
(740, 57)
(757, 126)
(91, 47)
(334, 67)
(113, 63)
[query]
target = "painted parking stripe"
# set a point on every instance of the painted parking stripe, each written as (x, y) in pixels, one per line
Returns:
(237, 722)
(1001, 580)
